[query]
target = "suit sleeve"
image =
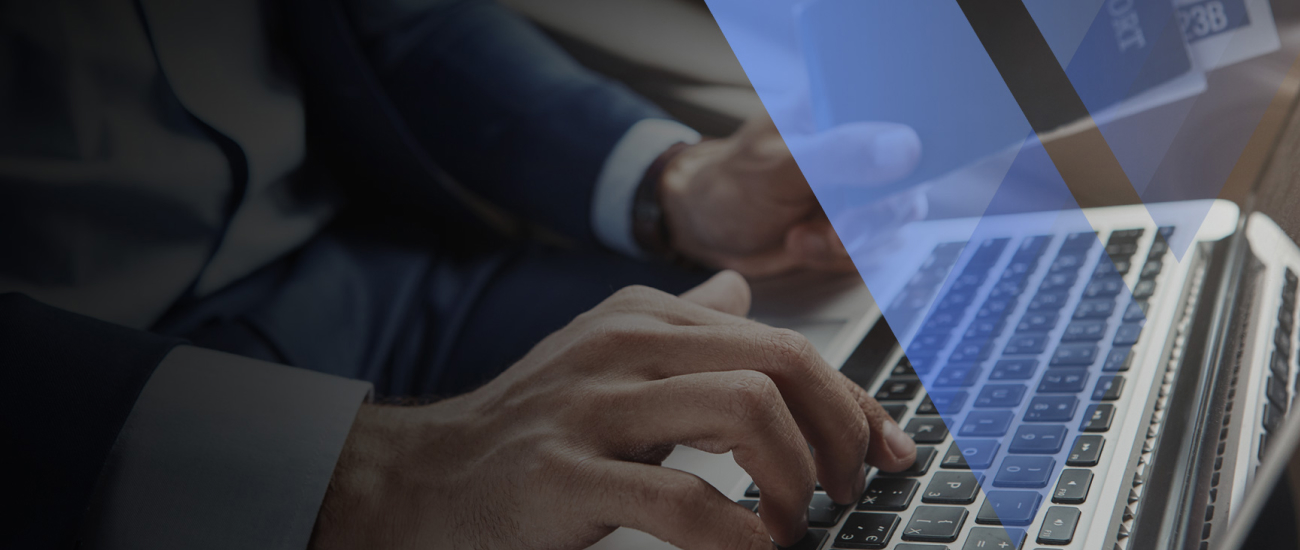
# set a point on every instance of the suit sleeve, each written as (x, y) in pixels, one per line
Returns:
(69, 384)
(498, 105)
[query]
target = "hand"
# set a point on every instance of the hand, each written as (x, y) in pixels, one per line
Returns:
(567, 444)
(742, 202)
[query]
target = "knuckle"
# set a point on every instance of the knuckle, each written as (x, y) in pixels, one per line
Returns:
(754, 395)
(634, 296)
(787, 348)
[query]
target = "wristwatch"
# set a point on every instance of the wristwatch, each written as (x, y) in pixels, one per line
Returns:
(648, 224)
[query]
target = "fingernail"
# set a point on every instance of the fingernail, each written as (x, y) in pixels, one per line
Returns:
(896, 149)
(899, 443)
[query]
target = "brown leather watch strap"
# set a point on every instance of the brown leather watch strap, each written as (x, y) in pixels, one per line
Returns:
(648, 224)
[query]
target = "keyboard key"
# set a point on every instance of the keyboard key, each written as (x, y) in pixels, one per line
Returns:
(1042, 439)
(1067, 263)
(1014, 369)
(1060, 280)
(898, 389)
(952, 488)
(1118, 360)
(1086, 451)
(866, 530)
(910, 546)
(1128, 334)
(824, 512)
(994, 538)
(1074, 355)
(1280, 367)
(903, 368)
(935, 524)
(1095, 309)
(812, 540)
(926, 430)
(1032, 343)
(1108, 388)
(970, 454)
(1083, 240)
(1000, 396)
(1272, 417)
(924, 456)
(957, 376)
(888, 493)
(942, 402)
(1276, 393)
(1048, 301)
(1084, 331)
(1063, 381)
(1009, 508)
(1151, 269)
(942, 320)
(751, 504)
(1103, 288)
(955, 300)
(1051, 408)
(985, 328)
(967, 281)
(971, 351)
(1097, 418)
(1037, 321)
(986, 424)
(1111, 267)
(1125, 235)
(1025, 472)
(1006, 291)
(988, 251)
(996, 309)
(1058, 526)
(927, 343)
(1144, 289)
(896, 411)
(1072, 487)
(1135, 312)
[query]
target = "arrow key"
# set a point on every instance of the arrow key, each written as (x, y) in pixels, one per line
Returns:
(1072, 487)
(1058, 526)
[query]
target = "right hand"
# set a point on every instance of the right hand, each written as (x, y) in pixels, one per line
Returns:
(566, 445)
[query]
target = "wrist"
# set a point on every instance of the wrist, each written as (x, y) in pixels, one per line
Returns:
(649, 220)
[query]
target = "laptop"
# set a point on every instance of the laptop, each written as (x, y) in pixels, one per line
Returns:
(1107, 378)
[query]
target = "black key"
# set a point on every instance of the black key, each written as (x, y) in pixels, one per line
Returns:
(1097, 308)
(1103, 288)
(1151, 269)
(995, 308)
(988, 251)
(955, 300)
(888, 493)
(1016, 270)
(1121, 249)
(1006, 290)
(1058, 525)
(942, 320)
(942, 402)
(1125, 236)
(994, 538)
(896, 411)
(985, 328)
(866, 530)
(1272, 417)
(1009, 508)
(903, 368)
(1280, 367)
(1083, 240)
(1067, 263)
(1025, 472)
(1048, 301)
(1286, 319)
(1032, 248)
(1074, 355)
(751, 504)
(1051, 408)
(1037, 321)
(952, 488)
(898, 389)
(1165, 232)
(1072, 487)
(1063, 381)
(1145, 288)
(1097, 418)
(752, 491)
(970, 454)
(1000, 395)
(1030, 343)
(986, 424)
(1111, 267)
(967, 281)
(957, 376)
(924, 456)
(1283, 341)
(1291, 279)
(927, 342)
(910, 546)
(935, 524)
(1086, 451)
(1108, 388)
(824, 512)
(927, 430)
(812, 540)
(1060, 280)
(1041, 439)
(1084, 331)
(1136, 312)
(1118, 360)
(971, 351)
(1014, 369)
(1276, 392)
(1128, 334)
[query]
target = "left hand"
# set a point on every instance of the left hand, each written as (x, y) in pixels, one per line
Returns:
(742, 202)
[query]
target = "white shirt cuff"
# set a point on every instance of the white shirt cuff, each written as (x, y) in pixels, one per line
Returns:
(612, 202)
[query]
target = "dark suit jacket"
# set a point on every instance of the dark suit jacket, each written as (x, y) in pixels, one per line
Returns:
(461, 90)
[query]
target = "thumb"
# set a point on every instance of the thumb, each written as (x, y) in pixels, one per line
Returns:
(726, 292)
(858, 153)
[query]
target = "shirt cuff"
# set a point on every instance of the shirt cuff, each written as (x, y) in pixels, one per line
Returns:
(612, 202)
(223, 451)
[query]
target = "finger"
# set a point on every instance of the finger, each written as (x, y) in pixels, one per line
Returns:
(829, 416)
(726, 291)
(680, 509)
(889, 449)
(741, 412)
(858, 153)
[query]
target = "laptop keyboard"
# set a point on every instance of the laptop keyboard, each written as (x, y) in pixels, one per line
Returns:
(1024, 355)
